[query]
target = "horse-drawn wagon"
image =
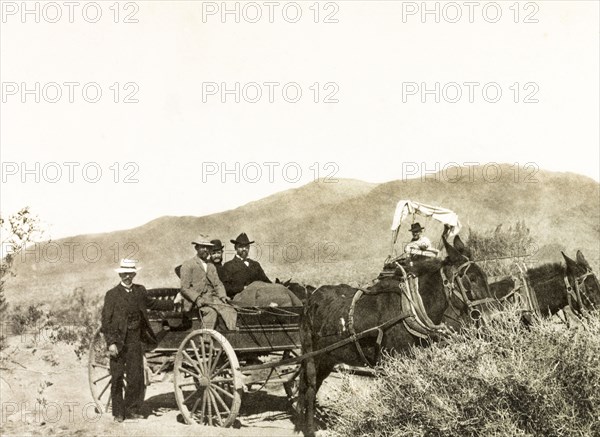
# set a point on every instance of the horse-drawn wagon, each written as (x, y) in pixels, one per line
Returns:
(211, 368)
(339, 324)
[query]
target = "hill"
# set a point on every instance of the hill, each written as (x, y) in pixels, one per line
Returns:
(326, 232)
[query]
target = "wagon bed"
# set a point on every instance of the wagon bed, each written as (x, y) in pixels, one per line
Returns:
(267, 329)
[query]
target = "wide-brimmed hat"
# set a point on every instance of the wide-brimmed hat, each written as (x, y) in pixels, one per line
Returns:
(416, 227)
(202, 240)
(242, 239)
(217, 245)
(127, 266)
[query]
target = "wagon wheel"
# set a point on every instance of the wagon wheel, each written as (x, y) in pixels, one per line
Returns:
(99, 373)
(208, 384)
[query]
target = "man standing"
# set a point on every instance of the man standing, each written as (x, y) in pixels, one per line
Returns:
(201, 286)
(241, 270)
(125, 326)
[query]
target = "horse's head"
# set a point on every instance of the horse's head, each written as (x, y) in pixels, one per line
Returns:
(284, 283)
(469, 281)
(584, 280)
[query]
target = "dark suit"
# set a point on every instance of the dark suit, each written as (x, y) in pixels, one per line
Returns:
(125, 324)
(236, 275)
(219, 267)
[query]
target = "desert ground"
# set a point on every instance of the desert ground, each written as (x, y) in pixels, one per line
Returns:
(44, 390)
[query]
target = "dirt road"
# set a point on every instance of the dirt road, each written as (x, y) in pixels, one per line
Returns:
(44, 391)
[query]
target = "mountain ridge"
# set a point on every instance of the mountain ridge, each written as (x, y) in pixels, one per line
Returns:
(327, 232)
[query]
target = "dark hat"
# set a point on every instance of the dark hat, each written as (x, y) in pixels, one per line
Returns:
(217, 245)
(242, 239)
(416, 227)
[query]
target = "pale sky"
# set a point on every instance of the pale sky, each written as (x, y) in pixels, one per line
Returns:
(376, 61)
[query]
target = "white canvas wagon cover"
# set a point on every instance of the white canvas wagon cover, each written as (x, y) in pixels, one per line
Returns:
(443, 215)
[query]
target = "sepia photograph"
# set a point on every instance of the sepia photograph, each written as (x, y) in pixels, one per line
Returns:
(300, 218)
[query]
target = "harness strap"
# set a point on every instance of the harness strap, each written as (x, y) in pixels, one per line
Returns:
(530, 296)
(351, 329)
(570, 293)
(419, 325)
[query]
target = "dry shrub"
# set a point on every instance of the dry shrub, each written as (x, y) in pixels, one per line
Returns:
(74, 320)
(500, 379)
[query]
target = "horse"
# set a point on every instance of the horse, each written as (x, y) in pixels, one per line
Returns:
(331, 311)
(558, 286)
(301, 291)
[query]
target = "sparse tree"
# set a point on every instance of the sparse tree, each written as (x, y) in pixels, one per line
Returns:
(16, 232)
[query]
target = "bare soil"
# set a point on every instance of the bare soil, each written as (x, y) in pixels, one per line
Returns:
(44, 391)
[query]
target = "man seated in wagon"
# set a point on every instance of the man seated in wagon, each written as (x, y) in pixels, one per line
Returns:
(241, 271)
(202, 288)
(420, 245)
(247, 283)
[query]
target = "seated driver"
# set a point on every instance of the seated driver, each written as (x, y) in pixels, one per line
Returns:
(420, 244)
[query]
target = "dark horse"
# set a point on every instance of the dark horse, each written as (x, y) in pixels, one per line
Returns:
(300, 291)
(558, 286)
(326, 318)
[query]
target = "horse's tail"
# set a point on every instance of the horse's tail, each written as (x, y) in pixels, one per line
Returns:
(307, 390)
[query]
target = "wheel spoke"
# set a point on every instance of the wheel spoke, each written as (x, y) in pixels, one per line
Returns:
(189, 372)
(196, 405)
(203, 411)
(199, 361)
(216, 362)
(209, 357)
(101, 378)
(191, 361)
(209, 404)
(188, 397)
(204, 355)
(225, 365)
(213, 402)
(220, 399)
(217, 380)
(104, 389)
(225, 392)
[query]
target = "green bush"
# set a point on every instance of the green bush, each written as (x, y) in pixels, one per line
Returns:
(501, 379)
